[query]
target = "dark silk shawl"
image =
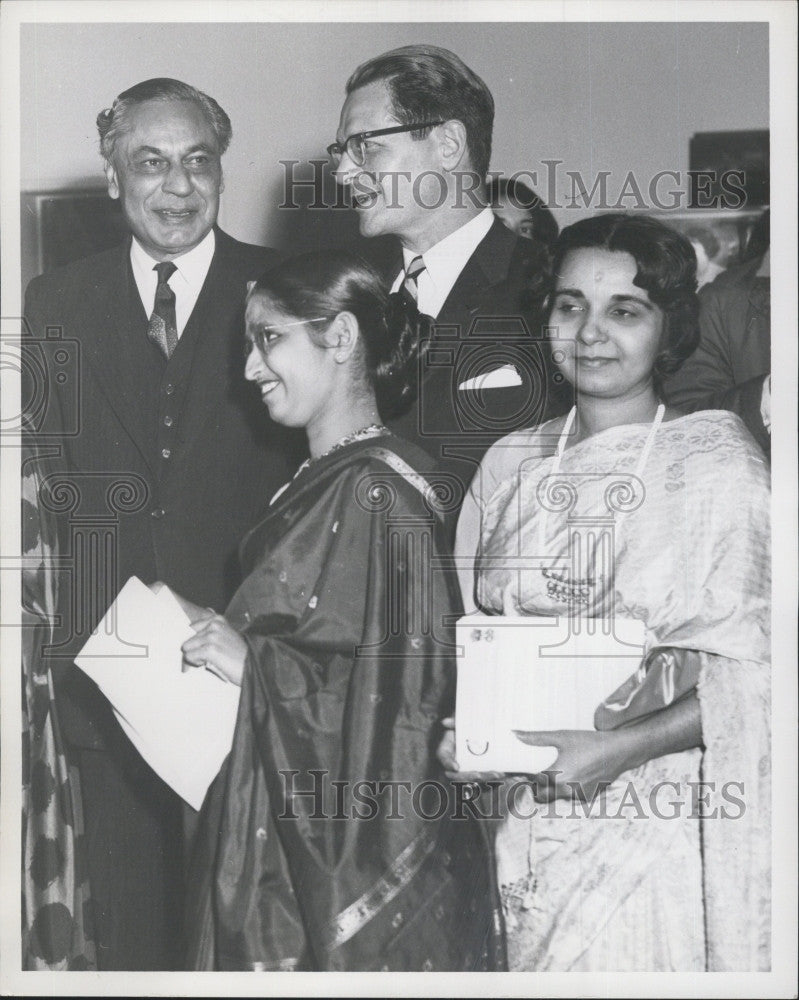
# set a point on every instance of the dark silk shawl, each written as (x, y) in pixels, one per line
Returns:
(347, 613)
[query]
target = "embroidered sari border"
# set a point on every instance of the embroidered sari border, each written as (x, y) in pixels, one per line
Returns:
(350, 920)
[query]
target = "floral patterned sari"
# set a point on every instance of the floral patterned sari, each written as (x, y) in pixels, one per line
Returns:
(641, 882)
(56, 920)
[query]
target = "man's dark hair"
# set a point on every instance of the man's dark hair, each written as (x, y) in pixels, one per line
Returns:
(666, 270)
(427, 83)
(706, 238)
(114, 121)
(517, 193)
(759, 238)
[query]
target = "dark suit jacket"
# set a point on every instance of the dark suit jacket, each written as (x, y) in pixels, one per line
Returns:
(118, 409)
(727, 369)
(489, 321)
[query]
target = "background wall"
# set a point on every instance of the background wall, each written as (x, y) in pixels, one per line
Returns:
(615, 97)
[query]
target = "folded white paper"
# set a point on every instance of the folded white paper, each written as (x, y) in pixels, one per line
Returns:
(181, 723)
(497, 378)
(534, 675)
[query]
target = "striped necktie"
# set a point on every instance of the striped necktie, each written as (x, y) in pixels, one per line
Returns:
(410, 283)
(163, 328)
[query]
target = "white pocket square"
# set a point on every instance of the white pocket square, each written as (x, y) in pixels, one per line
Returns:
(497, 378)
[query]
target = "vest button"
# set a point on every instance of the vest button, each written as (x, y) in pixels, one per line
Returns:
(168, 421)
(169, 389)
(158, 512)
(165, 452)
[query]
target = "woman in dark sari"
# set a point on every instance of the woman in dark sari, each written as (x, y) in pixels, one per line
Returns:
(327, 841)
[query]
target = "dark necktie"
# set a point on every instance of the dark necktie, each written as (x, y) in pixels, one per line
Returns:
(163, 327)
(410, 283)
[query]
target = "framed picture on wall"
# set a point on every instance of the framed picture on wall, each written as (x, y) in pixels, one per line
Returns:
(730, 160)
(61, 226)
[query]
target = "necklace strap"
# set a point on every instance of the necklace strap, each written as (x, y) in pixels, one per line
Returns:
(373, 430)
(561, 447)
(564, 437)
(650, 440)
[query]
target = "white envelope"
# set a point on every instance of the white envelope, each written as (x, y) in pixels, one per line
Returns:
(535, 675)
(497, 378)
(181, 723)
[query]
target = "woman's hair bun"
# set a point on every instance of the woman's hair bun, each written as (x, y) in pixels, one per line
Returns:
(329, 282)
(395, 367)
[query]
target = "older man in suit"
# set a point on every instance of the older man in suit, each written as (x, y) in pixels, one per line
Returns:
(414, 144)
(170, 460)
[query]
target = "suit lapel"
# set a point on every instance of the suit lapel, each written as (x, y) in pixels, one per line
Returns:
(115, 350)
(488, 266)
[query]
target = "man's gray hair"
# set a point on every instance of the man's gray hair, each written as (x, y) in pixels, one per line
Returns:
(114, 121)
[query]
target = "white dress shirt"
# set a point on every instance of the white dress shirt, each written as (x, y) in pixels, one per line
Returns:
(186, 282)
(444, 263)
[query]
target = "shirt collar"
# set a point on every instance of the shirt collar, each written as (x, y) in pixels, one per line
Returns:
(192, 266)
(446, 259)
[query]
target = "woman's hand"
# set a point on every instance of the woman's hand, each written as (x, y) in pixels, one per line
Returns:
(217, 646)
(446, 757)
(586, 761)
(194, 612)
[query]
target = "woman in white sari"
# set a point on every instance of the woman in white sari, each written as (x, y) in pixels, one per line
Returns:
(668, 868)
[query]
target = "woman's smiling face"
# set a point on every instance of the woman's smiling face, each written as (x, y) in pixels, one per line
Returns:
(608, 331)
(292, 371)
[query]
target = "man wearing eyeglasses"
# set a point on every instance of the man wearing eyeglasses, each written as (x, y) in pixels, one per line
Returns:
(413, 145)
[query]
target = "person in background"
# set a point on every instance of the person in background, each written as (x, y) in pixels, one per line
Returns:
(731, 367)
(339, 641)
(165, 462)
(589, 882)
(413, 145)
(521, 210)
(707, 248)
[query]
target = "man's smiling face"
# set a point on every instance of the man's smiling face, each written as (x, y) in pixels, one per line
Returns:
(400, 179)
(166, 171)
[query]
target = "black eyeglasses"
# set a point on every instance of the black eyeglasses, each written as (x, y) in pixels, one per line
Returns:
(353, 144)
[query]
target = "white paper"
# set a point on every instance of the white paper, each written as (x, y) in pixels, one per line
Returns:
(181, 723)
(536, 675)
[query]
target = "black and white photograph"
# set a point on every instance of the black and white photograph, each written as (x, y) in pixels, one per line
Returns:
(399, 499)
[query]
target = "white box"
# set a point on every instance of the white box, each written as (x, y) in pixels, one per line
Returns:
(537, 675)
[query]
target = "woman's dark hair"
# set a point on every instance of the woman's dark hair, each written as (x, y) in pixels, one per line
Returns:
(666, 270)
(329, 282)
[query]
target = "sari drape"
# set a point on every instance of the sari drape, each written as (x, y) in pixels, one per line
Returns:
(314, 849)
(56, 915)
(689, 544)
